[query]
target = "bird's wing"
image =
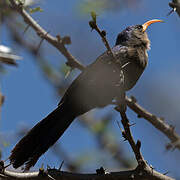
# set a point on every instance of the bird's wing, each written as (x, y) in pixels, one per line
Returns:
(98, 83)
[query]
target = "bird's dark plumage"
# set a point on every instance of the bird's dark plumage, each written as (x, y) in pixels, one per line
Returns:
(175, 5)
(97, 86)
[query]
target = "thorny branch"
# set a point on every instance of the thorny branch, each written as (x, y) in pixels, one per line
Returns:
(157, 122)
(54, 174)
(128, 136)
(142, 167)
(57, 42)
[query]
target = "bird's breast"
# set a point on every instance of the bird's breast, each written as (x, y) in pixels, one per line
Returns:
(134, 69)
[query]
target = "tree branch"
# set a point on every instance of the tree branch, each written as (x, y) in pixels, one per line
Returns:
(157, 122)
(143, 167)
(128, 136)
(94, 26)
(57, 42)
(135, 174)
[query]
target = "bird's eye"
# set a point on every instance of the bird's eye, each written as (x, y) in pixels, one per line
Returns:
(139, 27)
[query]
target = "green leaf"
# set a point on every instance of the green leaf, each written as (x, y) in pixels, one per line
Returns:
(93, 15)
(36, 9)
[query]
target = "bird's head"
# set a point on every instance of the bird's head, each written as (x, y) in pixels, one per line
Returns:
(135, 36)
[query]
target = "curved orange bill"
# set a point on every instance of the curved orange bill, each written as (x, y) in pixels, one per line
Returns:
(146, 24)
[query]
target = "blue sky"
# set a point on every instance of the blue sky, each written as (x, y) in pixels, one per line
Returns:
(29, 96)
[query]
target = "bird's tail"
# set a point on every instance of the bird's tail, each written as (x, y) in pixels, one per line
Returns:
(41, 137)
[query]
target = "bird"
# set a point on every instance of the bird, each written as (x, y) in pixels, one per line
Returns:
(98, 85)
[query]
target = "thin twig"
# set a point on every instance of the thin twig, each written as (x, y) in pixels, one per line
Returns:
(94, 26)
(128, 136)
(142, 168)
